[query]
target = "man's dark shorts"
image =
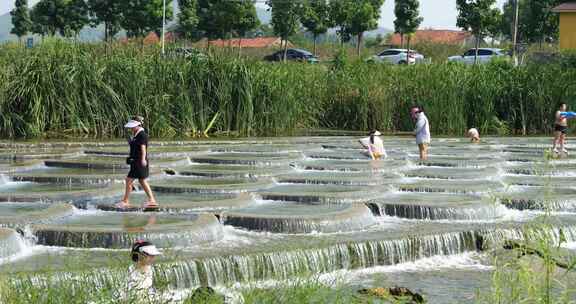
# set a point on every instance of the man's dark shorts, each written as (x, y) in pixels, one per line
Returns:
(561, 129)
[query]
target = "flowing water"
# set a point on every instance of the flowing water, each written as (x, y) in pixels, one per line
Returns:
(271, 211)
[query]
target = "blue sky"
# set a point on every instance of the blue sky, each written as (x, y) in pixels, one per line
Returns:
(439, 14)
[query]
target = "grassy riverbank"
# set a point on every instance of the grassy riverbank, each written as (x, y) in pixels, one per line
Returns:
(82, 90)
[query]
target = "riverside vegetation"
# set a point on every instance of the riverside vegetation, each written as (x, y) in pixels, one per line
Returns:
(72, 89)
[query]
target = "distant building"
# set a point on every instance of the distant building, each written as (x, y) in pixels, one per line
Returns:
(435, 36)
(261, 42)
(567, 13)
(152, 38)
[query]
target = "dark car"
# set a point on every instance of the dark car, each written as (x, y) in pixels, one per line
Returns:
(293, 55)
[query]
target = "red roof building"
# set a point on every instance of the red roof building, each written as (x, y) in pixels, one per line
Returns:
(153, 38)
(436, 36)
(261, 42)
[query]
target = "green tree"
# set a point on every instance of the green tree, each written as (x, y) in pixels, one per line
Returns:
(140, 17)
(407, 20)
(223, 19)
(188, 18)
(107, 12)
(354, 17)
(22, 24)
(536, 21)
(479, 17)
(540, 23)
(245, 19)
(340, 12)
(316, 18)
(49, 17)
(285, 19)
(75, 17)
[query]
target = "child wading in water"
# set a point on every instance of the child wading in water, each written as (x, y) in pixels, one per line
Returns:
(375, 145)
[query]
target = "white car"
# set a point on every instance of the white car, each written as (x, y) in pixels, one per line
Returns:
(397, 56)
(485, 55)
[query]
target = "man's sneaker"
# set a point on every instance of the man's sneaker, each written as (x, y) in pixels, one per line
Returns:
(556, 151)
(565, 151)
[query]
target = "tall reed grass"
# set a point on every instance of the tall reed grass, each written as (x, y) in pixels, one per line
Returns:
(61, 89)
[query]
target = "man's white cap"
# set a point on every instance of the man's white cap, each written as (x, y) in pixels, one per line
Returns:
(150, 250)
(132, 124)
(377, 133)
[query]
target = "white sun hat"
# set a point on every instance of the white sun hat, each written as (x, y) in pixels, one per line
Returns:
(377, 133)
(150, 250)
(132, 124)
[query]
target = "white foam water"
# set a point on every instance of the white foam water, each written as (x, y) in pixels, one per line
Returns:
(25, 247)
(466, 261)
(3, 179)
(569, 246)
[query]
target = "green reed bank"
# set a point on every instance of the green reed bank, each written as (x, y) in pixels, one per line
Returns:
(76, 89)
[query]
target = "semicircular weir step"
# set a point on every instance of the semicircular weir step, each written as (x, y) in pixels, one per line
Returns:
(115, 230)
(301, 218)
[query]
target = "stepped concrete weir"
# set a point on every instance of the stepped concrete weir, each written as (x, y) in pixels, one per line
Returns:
(210, 185)
(230, 171)
(281, 209)
(320, 193)
(437, 206)
(113, 230)
(70, 175)
(185, 202)
(20, 214)
(300, 218)
(55, 192)
(541, 198)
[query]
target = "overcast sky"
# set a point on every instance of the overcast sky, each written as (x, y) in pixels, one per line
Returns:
(440, 14)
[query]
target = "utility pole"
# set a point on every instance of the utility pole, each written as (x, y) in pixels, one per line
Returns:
(515, 33)
(163, 26)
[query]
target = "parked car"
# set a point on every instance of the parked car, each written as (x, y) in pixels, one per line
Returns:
(485, 55)
(398, 56)
(293, 55)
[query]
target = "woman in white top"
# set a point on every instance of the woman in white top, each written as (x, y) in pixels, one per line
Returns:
(422, 131)
(375, 145)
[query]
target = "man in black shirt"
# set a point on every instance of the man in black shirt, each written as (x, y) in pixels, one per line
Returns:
(139, 167)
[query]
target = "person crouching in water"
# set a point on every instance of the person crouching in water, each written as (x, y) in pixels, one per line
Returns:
(141, 274)
(422, 130)
(474, 135)
(375, 145)
(139, 167)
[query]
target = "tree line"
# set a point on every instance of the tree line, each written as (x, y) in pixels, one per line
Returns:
(222, 19)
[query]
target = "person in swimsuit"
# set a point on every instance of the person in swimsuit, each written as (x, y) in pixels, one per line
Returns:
(139, 166)
(560, 130)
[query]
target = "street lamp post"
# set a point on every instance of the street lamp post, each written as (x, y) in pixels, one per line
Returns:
(163, 25)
